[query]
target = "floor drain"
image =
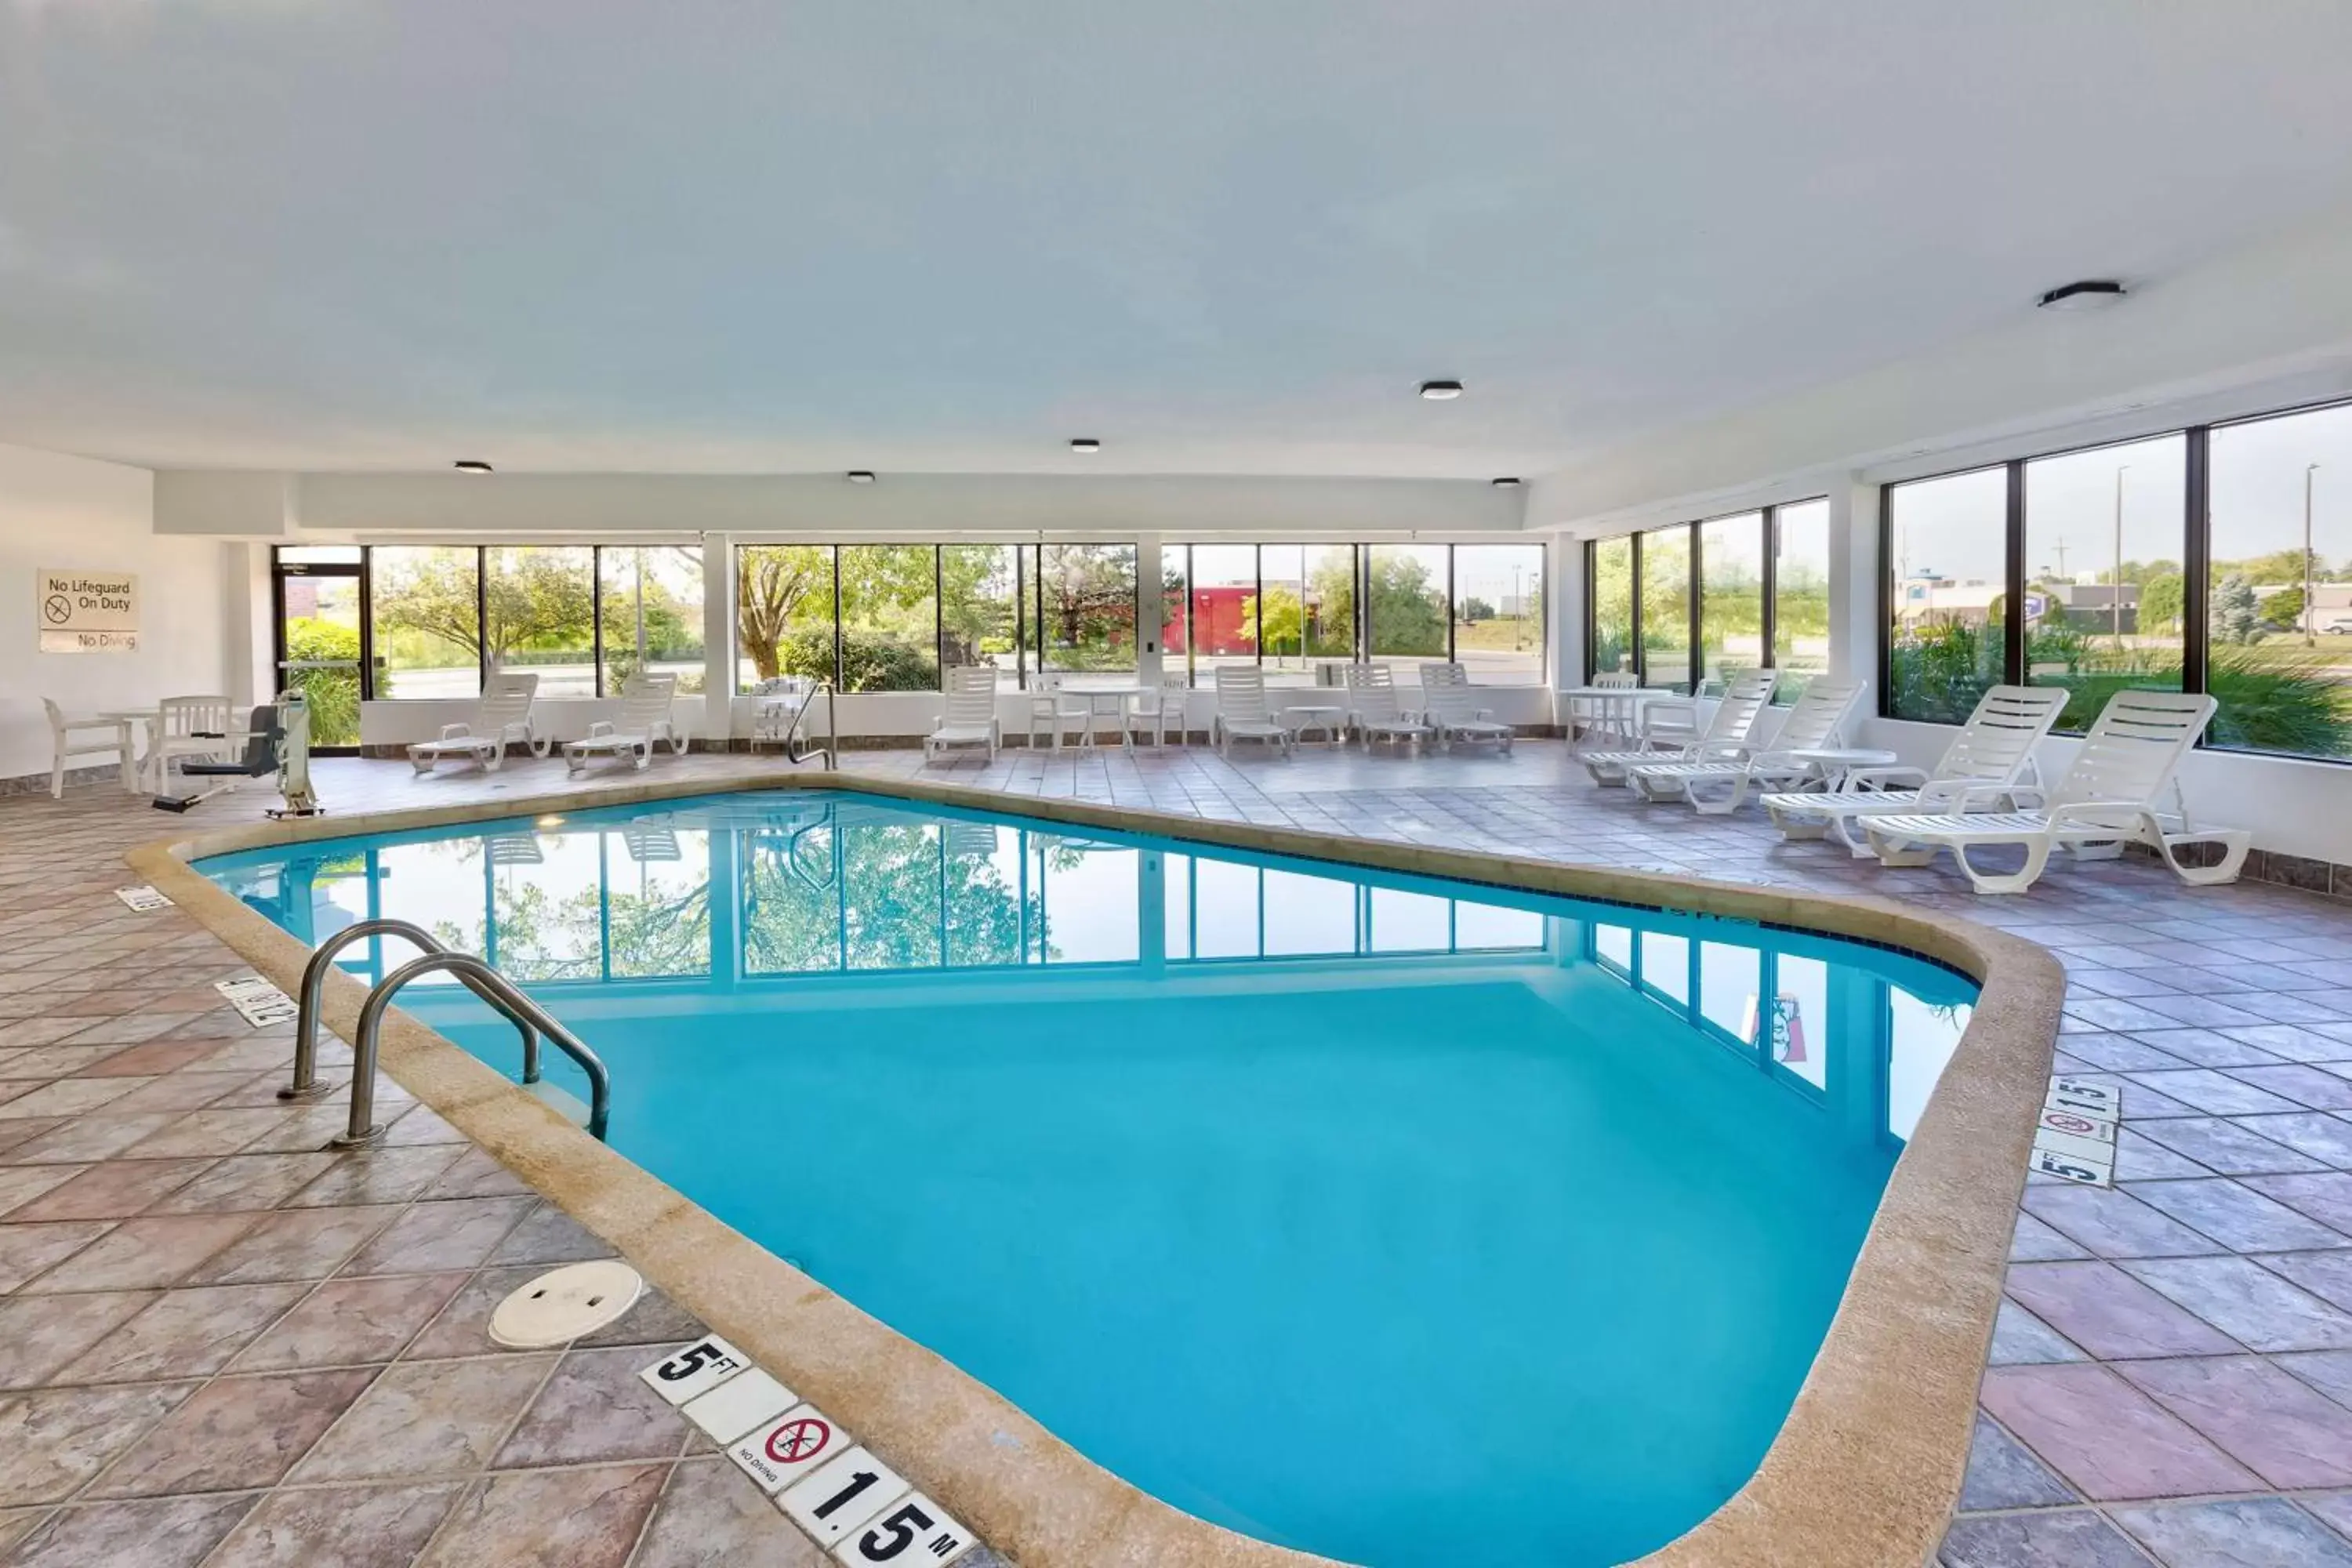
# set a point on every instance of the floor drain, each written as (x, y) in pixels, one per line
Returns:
(560, 1306)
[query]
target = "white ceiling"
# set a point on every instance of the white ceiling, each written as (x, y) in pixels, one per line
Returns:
(1227, 235)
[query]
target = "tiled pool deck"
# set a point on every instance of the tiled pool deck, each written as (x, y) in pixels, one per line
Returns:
(220, 1345)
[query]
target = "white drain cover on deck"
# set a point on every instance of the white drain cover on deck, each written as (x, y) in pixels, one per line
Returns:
(561, 1305)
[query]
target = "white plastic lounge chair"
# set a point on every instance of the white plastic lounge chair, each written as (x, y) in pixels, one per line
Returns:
(1724, 739)
(1372, 709)
(1817, 722)
(1242, 712)
(1989, 766)
(2122, 788)
(971, 717)
(1450, 708)
(645, 721)
(63, 745)
(502, 715)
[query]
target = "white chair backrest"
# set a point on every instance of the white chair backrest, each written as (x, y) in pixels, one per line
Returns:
(56, 719)
(1240, 693)
(1175, 680)
(1996, 742)
(1444, 675)
(1372, 687)
(187, 716)
(1820, 716)
(971, 694)
(1450, 703)
(1741, 707)
(1617, 680)
(506, 699)
(644, 702)
(2134, 747)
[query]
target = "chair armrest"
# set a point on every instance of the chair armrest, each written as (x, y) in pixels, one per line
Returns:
(600, 727)
(1887, 778)
(1964, 797)
(2097, 808)
(456, 731)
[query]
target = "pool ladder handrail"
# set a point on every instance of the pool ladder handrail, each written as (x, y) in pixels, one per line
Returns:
(831, 750)
(493, 988)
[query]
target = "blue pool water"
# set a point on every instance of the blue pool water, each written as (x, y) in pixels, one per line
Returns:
(1405, 1221)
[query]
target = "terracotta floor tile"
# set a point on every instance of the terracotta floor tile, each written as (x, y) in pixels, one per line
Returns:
(548, 1237)
(189, 1089)
(429, 1418)
(2002, 1474)
(144, 1254)
(26, 1249)
(2215, 1093)
(2259, 1416)
(595, 1407)
(155, 1056)
(338, 1527)
(20, 1185)
(2223, 1147)
(2325, 1137)
(463, 1329)
(2108, 1440)
(39, 1335)
(2326, 1197)
(549, 1519)
(711, 1516)
(2019, 1338)
(346, 1322)
(159, 1532)
(458, 1233)
(247, 1182)
(2109, 1314)
(2114, 1223)
(2240, 1297)
(186, 1332)
(2064, 1538)
(91, 1138)
(379, 1176)
(295, 1244)
(212, 1131)
(477, 1174)
(235, 1433)
(2309, 1086)
(116, 1190)
(69, 1096)
(2263, 1533)
(2240, 1218)
(55, 1440)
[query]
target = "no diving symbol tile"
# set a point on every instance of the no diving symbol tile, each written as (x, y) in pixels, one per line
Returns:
(2075, 1137)
(791, 1447)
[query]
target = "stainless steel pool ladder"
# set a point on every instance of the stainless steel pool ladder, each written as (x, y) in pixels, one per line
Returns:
(831, 750)
(528, 1016)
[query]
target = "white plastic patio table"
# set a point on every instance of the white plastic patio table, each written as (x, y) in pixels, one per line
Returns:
(1118, 697)
(150, 720)
(1610, 702)
(1834, 763)
(1301, 717)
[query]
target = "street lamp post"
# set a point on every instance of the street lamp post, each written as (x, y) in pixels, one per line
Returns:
(2309, 470)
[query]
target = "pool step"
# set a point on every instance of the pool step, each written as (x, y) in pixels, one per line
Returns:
(562, 1101)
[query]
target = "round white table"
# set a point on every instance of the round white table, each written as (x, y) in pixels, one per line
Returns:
(1300, 717)
(1835, 765)
(1613, 710)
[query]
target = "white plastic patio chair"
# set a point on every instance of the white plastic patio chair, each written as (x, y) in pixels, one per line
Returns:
(118, 746)
(1991, 765)
(1817, 722)
(1057, 709)
(2123, 787)
(1242, 711)
(645, 722)
(1589, 718)
(1373, 712)
(503, 714)
(201, 729)
(1725, 738)
(971, 716)
(1450, 708)
(1149, 712)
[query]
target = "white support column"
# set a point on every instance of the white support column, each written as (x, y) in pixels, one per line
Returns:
(1854, 570)
(718, 638)
(1567, 612)
(1151, 621)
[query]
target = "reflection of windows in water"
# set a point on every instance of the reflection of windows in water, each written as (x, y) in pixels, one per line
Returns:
(1921, 1038)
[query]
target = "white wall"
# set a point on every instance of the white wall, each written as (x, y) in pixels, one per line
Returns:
(59, 512)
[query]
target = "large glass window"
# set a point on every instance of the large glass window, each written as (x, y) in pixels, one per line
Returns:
(1411, 600)
(1612, 593)
(1949, 563)
(2104, 532)
(1800, 595)
(2279, 608)
(1175, 602)
(1731, 595)
(650, 600)
(890, 617)
(1307, 608)
(783, 612)
(1224, 607)
(1498, 612)
(1665, 607)
(319, 637)
(538, 609)
(980, 608)
(426, 603)
(1086, 606)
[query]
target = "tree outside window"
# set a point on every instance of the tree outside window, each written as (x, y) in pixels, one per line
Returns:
(783, 612)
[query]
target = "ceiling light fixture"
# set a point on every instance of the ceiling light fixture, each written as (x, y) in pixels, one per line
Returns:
(1507, 482)
(2089, 294)
(1440, 391)
(861, 476)
(1086, 444)
(471, 466)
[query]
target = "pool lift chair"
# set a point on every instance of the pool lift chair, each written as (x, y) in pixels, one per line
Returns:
(277, 740)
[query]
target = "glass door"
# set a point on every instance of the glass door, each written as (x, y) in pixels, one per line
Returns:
(321, 634)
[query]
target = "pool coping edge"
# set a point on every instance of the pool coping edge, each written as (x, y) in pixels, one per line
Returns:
(1864, 1469)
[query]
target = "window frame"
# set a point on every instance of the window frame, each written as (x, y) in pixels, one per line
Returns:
(1768, 518)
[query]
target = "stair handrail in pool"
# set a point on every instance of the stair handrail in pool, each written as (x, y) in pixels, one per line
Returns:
(499, 993)
(305, 1084)
(831, 750)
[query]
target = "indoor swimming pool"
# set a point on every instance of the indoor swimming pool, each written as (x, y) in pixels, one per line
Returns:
(1405, 1221)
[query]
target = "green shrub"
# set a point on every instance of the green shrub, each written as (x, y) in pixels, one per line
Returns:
(869, 663)
(332, 695)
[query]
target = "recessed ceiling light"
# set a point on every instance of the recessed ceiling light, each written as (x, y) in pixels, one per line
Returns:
(471, 466)
(2090, 294)
(861, 476)
(1086, 444)
(1440, 391)
(1507, 482)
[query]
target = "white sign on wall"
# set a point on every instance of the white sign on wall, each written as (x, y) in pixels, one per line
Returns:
(87, 612)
